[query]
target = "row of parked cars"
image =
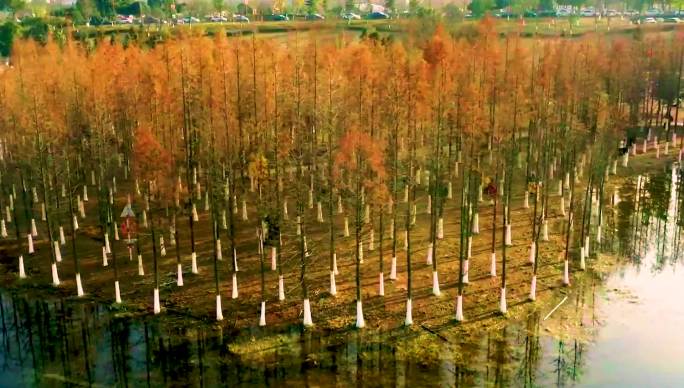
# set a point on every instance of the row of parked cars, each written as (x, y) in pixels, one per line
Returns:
(147, 19)
(565, 12)
(130, 19)
(654, 20)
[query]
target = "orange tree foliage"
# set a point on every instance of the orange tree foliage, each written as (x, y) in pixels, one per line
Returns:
(238, 96)
(359, 155)
(152, 161)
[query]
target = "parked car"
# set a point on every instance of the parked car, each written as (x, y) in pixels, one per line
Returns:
(650, 21)
(378, 15)
(191, 19)
(672, 20)
(121, 19)
(350, 16)
(240, 18)
(315, 16)
(280, 18)
(504, 14)
(218, 19)
(587, 12)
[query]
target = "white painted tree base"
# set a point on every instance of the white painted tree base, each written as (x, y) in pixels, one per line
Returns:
(234, 294)
(117, 292)
(157, 307)
(492, 268)
(508, 240)
(219, 308)
(428, 259)
(219, 250)
(476, 223)
(566, 273)
(62, 240)
(30, 244)
(381, 284)
(194, 263)
(308, 322)
(105, 263)
(333, 286)
(281, 288)
(34, 229)
(179, 275)
(55, 275)
(502, 301)
(533, 288)
(58, 252)
(533, 250)
(3, 229)
(335, 264)
(582, 260)
(562, 206)
(141, 270)
(409, 313)
(545, 230)
(274, 255)
(459, 308)
(466, 268)
(262, 315)
(235, 262)
(79, 285)
(526, 200)
(586, 246)
(435, 284)
(393, 269)
(359, 315)
(22, 272)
